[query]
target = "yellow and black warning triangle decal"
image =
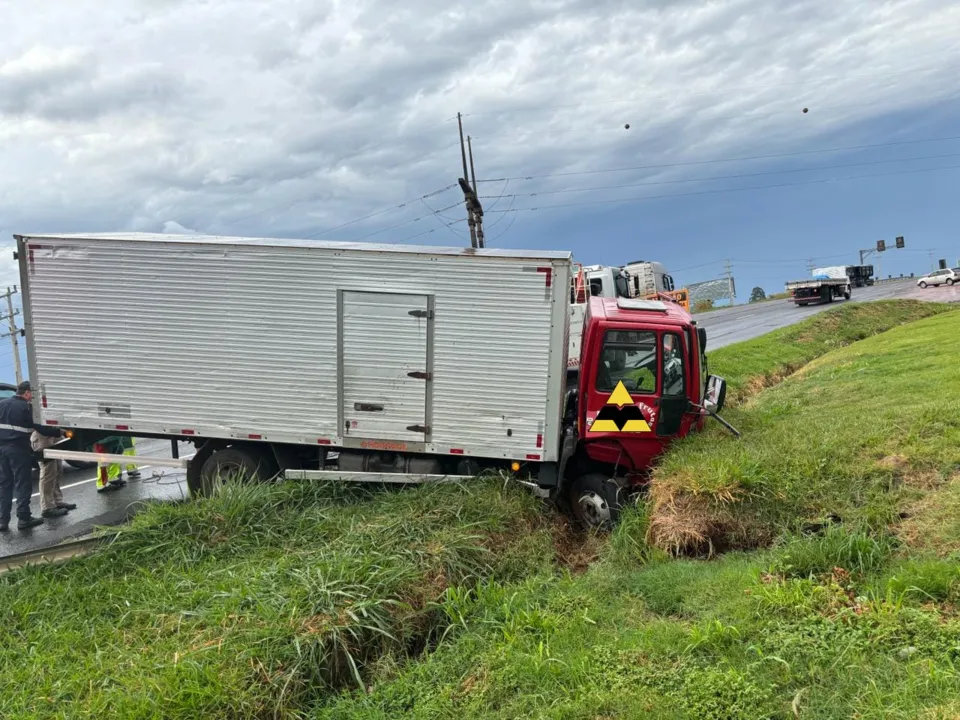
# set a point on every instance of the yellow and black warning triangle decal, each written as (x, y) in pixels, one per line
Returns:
(620, 414)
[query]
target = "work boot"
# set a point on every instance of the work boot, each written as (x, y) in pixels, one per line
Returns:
(135, 475)
(118, 483)
(67, 506)
(28, 522)
(109, 487)
(54, 512)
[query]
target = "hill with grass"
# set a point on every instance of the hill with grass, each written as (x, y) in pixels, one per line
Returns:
(811, 569)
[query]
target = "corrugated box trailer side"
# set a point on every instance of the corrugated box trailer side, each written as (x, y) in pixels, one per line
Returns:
(409, 349)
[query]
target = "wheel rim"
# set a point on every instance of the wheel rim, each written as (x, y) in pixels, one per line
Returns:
(594, 510)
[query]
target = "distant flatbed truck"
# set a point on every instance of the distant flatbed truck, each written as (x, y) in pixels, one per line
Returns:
(816, 291)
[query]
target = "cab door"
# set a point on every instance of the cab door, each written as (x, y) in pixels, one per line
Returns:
(674, 402)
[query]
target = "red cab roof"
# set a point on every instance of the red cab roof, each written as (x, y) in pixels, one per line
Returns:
(637, 310)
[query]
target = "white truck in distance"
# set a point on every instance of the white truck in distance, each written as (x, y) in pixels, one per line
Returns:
(638, 279)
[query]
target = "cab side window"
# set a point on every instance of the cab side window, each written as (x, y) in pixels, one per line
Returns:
(673, 366)
(629, 357)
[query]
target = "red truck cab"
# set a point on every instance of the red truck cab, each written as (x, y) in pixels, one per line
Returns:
(643, 382)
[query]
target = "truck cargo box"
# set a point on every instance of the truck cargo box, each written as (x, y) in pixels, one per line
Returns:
(413, 349)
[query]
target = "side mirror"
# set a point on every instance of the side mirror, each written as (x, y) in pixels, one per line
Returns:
(702, 335)
(716, 394)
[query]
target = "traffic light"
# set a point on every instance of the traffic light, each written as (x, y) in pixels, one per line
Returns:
(881, 245)
(900, 241)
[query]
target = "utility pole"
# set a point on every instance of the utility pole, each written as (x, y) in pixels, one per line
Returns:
(474, 209)
(477, 209)
(14, 333)
(810, 265)
(465, 186)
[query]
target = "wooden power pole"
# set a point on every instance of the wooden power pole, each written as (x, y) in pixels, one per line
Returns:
(14, 333)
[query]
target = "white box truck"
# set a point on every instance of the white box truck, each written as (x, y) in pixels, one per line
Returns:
(380, 363)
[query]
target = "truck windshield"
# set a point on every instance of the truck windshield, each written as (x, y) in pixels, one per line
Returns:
(628, 356)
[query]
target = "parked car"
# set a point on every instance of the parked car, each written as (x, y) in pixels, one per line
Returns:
(947, 276)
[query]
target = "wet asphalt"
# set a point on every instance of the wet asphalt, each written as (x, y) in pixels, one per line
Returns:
(96, 509)
(745, 322)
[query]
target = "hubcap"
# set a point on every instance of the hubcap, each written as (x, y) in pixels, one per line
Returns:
(594, 509)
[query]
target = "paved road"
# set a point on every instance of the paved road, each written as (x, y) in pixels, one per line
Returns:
(95, 509)
(744, 322)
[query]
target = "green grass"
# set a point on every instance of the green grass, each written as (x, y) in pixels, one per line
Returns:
(753, 365)
(680, 639)
(849, 611)
(297, 601)
(251, 603)
(853, 435)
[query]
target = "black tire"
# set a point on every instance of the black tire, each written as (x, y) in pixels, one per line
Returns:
(949, 281)
(234, 464)
(923, 286)
(81, 464)
(595, 501)
(846, 296)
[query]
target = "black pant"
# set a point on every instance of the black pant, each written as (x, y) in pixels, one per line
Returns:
(16, 470)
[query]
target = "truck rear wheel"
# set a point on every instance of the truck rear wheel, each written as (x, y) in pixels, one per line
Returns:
(234, 464)
(595, 500)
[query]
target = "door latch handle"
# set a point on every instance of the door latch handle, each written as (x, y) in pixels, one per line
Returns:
(367, 407)
(420, 375)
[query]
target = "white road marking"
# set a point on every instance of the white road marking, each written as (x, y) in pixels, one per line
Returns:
(94, 478)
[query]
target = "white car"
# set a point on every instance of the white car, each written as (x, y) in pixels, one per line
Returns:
(939, 277)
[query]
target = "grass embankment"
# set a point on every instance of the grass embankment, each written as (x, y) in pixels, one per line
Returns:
(251, 603)
(756, 364)
(856, 618)
(846, 436)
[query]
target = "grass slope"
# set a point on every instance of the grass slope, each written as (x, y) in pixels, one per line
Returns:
(834, 439)
(753, 365)
(249, 604)
(318, 601)
(857, 619)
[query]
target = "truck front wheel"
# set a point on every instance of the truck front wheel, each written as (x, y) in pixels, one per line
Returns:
(233, 464)
(595, 500)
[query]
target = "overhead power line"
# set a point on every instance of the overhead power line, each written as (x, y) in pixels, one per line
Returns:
(727, 177)
(374, 214)
(744, 158)
(726, 190)
(407, 222)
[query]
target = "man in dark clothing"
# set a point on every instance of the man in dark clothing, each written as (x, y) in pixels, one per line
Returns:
(16, 456)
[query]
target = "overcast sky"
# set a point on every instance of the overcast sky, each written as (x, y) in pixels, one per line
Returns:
(294, 118)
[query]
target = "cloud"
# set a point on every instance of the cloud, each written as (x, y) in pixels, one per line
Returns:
(295, 116)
